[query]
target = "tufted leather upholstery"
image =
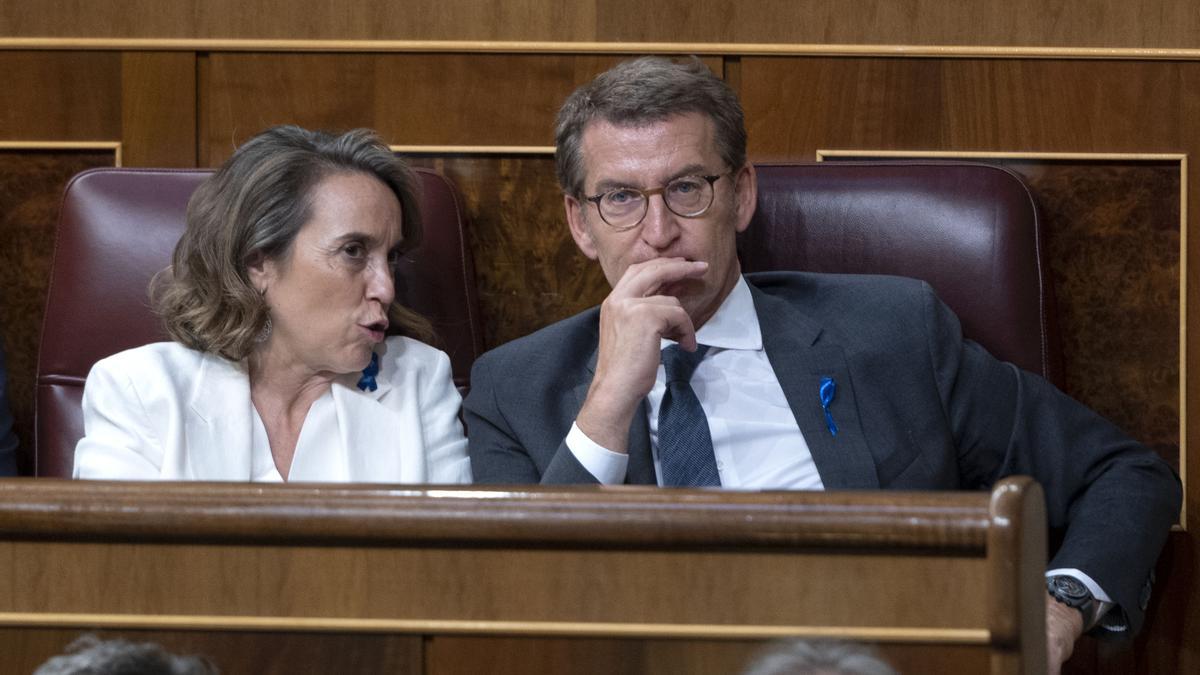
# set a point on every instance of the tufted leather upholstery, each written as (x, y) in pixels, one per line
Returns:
(970, 230)
(118, 227)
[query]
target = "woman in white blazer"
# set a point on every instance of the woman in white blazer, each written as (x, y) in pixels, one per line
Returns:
(278, 300)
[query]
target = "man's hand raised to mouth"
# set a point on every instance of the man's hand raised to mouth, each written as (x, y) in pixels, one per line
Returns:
(633, 320)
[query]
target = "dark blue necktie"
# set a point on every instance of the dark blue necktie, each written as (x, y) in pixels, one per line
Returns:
(685, 449)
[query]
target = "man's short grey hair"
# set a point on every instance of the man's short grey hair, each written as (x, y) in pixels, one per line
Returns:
(89, 655)
(803, 657)
(644, 91)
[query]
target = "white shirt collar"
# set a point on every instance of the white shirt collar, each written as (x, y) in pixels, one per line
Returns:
(735, 323)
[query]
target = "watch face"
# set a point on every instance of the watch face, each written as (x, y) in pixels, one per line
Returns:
(1070, 590)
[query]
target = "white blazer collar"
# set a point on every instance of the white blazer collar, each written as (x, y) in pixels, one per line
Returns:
(369, 430)
(218, 433)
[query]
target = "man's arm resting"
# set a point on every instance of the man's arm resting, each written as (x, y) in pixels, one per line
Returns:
(497, 454)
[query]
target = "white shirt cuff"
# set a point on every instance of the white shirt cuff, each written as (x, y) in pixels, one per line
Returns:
(607, 466)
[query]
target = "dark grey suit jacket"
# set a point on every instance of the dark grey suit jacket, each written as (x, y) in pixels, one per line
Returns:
(917, 407)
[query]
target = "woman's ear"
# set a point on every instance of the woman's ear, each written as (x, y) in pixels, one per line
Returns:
(260, 270)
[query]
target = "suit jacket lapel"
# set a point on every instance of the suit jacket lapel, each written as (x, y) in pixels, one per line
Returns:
(218, 436)
(640, 470)
(802, 355)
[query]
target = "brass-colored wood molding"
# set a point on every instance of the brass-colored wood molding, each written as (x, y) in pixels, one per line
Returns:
(957, 636)
(474, 149)
(984, 154)
(547, 47)
(114, 146)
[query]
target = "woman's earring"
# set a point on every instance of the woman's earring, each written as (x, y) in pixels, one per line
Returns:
(265, 332)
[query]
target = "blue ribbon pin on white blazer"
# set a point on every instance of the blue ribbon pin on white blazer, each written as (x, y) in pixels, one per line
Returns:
(367, 381)
(828, 391)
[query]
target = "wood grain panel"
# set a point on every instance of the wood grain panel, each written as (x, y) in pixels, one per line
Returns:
(60, 96)
(256, 653)
(432, 584)
(1135, 23)
(1113, 242)
(31, 185)
(369, 19)
(795, 106)
(517, 656)
(411, 99)
(528, 270)
(158, 109)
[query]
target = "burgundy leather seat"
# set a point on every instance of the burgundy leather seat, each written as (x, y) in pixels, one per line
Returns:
(970, 230)
(119, 226)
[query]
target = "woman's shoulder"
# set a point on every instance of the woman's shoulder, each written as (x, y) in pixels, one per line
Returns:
(169, 354)
(164, 363)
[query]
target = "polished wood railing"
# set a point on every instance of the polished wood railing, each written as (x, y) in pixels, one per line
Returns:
(478, 568)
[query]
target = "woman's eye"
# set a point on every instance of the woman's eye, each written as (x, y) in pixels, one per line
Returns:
(354, 250)
(393, 258)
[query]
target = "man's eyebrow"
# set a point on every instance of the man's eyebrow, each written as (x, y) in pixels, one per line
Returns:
(612, 184)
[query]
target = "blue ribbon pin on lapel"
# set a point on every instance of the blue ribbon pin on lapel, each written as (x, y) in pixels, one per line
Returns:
(367, 381)
(828, 391)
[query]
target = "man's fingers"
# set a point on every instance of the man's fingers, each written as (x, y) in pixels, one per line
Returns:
(645, 279)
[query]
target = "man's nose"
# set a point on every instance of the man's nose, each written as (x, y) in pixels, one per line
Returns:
(659, 227)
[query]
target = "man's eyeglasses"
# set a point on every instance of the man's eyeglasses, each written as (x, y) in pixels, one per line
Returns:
(686, 196)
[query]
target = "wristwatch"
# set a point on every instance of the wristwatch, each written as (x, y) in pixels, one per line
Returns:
(1073, 593)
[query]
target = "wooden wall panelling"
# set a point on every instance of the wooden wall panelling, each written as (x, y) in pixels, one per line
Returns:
(158, 109)
(1135, 23)
(517, 656)
(411, 99)
(237, 653)
(796, 105)
(31, 185)
(527, 267)
(60, 96)
(280, 19)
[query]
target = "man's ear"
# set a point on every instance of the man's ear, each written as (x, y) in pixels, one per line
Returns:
(580, 231)
(745, 196)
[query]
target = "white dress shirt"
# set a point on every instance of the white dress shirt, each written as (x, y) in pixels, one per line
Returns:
(757, 443)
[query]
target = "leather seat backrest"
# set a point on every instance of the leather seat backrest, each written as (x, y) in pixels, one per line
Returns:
(970, 230)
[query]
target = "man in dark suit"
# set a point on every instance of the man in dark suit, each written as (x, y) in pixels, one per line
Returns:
(691, 374)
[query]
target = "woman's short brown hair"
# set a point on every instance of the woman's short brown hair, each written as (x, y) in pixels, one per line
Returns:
(253, 207)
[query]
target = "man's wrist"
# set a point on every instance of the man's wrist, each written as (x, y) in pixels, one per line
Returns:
(1073, 593)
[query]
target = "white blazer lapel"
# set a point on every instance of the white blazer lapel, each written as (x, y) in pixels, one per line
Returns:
(372, 438)
(218, 434)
